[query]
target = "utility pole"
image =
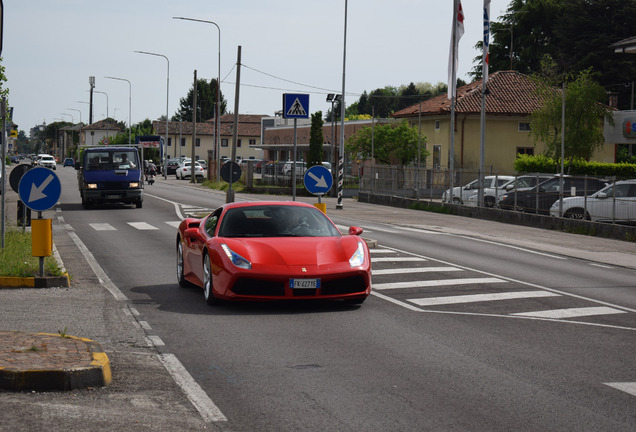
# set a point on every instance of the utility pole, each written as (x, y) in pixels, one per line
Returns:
(193, 177)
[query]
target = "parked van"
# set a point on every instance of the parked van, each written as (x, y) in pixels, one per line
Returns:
(110, 174)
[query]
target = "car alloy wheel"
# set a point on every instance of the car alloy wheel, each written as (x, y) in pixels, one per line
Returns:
(576, 213)
(180, 273)
(207, 282)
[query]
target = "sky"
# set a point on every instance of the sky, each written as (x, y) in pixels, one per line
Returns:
(51, 48)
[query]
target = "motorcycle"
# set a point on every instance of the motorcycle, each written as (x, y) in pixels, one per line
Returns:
(150, 176)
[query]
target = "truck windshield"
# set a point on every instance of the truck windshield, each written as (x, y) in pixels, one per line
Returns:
(107, 160)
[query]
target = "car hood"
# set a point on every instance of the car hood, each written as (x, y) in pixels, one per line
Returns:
(295, 251)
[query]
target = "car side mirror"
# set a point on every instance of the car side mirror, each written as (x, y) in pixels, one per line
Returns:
(355, 231)
(601, 195)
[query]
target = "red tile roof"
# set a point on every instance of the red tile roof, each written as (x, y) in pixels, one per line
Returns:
(248, 125)
(510, 93)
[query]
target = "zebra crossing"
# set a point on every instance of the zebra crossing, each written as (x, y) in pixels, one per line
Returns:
(422, 284)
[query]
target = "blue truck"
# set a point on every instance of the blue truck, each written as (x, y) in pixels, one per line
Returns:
(108, 174)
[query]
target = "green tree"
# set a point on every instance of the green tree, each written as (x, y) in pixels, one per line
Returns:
(315, 140)
(577, 34)
(4, 90)
(206, 102)
(392, 143)
(584, 115)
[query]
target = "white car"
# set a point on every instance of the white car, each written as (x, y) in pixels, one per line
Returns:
(461, 193)
(185, 170)
(47, 161)
(301, 167)
(616, 202)
(491, 195)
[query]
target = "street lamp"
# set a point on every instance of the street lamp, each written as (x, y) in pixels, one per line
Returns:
(79, 111)
(333, 98)
(129, 110)
(218, 99)
(165, 141)
(104, 93)
(342, 115)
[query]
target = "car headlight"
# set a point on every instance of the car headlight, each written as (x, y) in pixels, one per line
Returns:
(357, 259)
(134, 184)
(236, 259)
(91, 186)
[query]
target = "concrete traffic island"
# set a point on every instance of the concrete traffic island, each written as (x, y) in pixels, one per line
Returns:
(45, 362)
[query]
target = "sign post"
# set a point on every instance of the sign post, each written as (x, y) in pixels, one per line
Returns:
(40, 189)
(295, 106)
(318, 181)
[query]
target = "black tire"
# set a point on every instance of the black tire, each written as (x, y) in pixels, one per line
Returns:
(208, 292)
(180, 273)
(576, 213)
(456, 200)
(489, 201)
(139, 203)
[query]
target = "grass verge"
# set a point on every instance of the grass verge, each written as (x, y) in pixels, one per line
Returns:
(16, 259)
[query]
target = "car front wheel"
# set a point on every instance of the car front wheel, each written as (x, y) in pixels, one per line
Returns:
(180, 272)
(208, 292)
(576, 213)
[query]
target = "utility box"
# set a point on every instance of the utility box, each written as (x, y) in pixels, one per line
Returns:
(41, 237)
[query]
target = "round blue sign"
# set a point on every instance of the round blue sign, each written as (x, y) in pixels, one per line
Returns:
(318, 180)
(39, 189)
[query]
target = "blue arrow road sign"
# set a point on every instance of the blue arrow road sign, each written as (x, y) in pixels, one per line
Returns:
(318, 180)
(295, 105)
(39, 189)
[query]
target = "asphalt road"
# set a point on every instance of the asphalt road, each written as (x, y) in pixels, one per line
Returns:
(472, 325)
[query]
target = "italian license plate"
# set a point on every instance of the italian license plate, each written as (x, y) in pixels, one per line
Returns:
(304, 283)
(112, 196)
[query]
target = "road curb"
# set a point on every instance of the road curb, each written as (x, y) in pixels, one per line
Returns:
(35, 282)
(53, 362)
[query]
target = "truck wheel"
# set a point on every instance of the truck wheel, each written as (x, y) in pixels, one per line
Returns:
(138, 203)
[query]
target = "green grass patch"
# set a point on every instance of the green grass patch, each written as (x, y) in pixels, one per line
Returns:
(223, 186)
(16, 259)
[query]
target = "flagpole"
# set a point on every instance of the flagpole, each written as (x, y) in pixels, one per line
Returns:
(453, 89)
(484, 92)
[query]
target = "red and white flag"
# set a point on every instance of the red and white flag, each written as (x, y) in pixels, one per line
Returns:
(457, 31)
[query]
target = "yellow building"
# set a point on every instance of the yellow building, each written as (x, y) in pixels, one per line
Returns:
(510, 101)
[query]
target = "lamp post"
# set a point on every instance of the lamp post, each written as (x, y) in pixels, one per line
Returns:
(218, 99)
(165, 141)
(79, 111)
(104, 93)
(80, 122)
(333, 98)
(342, 116)
(129, 110)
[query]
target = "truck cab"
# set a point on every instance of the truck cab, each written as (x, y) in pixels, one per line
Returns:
(110, 174)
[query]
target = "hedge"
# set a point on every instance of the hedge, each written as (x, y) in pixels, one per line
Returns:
(544, 164)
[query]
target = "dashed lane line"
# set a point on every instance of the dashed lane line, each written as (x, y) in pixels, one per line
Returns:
(475, 298)
(572, 312)
(435, 283)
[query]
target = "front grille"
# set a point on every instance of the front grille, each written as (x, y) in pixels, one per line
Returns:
(349, 285)
(258, 287)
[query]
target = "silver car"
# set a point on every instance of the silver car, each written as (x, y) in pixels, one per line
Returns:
(616, 202)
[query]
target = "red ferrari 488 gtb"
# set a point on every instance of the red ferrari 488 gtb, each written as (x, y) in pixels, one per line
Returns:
(272, 251)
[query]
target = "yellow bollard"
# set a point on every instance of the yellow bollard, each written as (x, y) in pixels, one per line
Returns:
(321, 206)
(41, 237)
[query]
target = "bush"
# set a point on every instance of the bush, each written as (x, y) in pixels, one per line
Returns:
(545, 164)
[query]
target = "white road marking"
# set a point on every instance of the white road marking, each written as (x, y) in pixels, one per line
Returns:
(414, 270)
(144, 226)
(156, 341)
(201, 401)
(394, 259)
(627, 387)
(174, 224)
(601, 265)
(382, 251)
(475, 298)
(102, 227)
(572, 313)
(144, 325)
(435, 283)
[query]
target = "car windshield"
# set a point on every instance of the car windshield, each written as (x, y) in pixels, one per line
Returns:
(276, 221)
(107, 160)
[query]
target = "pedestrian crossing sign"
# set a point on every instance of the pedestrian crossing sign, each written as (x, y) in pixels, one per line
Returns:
(295, 105)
